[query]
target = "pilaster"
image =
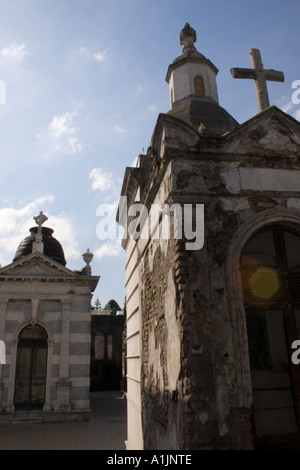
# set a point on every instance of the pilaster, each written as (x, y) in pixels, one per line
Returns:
(64, 384)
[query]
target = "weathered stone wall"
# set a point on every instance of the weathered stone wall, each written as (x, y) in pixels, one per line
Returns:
(161, 354)
(188, 372)
(194, 380)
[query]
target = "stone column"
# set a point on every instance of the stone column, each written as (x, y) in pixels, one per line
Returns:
(47, 405)
(3, 307)
(63, 384)
(11, 385)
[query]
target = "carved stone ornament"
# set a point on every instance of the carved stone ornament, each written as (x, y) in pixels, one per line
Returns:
(187, 38)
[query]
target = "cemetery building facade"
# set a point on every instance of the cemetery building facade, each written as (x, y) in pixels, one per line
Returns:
(212, 280)
(45, 318)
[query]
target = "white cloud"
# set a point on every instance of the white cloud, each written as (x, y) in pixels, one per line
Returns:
(15, 52)
(73, 145)
(134, 162)
(64, 233)
(109, 248)
(99, 56)
(15, 225)
(289, 108)
(119, 129)
(151, 108)
(83, 50)
(62, 125)
(102, 181)
(61, 132)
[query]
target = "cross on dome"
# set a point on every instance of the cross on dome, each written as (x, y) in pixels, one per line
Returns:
(39, 220)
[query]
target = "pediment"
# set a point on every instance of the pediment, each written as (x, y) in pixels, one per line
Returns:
(173, 134)
(271, 132)
(36, 265)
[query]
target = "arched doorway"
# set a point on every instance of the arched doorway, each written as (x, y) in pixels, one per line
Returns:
(31, 367)
(270, 271)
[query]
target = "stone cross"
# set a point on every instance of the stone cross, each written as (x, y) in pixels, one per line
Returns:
(260, 76)
(40, 219)
(38, 244)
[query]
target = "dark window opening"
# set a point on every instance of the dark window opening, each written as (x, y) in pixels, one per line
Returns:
(31, 367)
(270, 273)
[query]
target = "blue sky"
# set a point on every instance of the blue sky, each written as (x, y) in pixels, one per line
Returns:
(85, 82)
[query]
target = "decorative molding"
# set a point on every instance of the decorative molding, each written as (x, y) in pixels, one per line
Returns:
(65, 305)
(34, 311)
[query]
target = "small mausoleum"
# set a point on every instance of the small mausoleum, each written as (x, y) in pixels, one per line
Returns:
(45, 324)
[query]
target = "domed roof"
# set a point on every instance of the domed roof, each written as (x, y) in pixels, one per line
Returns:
(196, 110)
(52, 247)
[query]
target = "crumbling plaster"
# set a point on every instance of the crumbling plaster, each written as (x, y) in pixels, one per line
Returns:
(195, 374)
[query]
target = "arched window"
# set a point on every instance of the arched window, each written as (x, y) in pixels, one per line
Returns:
(270, 272)
(199, 86)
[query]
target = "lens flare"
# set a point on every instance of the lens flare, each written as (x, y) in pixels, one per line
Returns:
(264, 283)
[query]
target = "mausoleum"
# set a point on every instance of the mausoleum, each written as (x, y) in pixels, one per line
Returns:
(211, 325)
(45, 318)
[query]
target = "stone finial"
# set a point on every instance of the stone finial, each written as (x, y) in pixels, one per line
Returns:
(39, 220)
(38, 244)
(187, 38)
(87, 257)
